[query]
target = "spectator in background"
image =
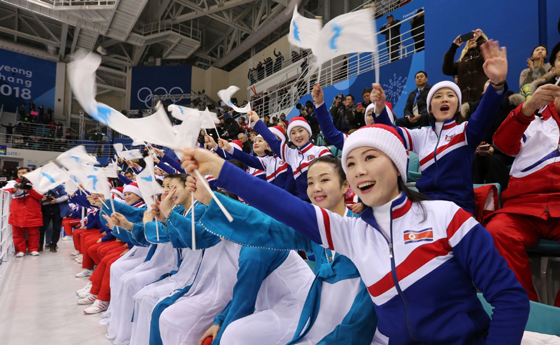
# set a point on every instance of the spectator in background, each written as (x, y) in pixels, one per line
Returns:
(54, 208)
(362, 106)
(25, 214)
(41, 117)
(352, 117)
(231, 127)
(260, 71)
(269, 65)
(279, 61)
(537, 66)
(417, 30)
(283, 119)
(21, 112)
(59, 129)
(52, 127)
(246, 143)
(31, 106)
(416, 110)
(295, 56)
(266, 120)
(468, 68)
(490, 165)
(9, 130)
(337, 111)
(392, 32)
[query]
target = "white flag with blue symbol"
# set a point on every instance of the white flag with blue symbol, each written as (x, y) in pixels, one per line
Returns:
(225, 96)
(304, 32)
(346, 34)
(93, 180)
(75, 158)
(181, 113)
(147, 183)
(47, 177)
(153, 129)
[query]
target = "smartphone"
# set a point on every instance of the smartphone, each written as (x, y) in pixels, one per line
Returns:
(467, 36)
(484, 147)
(360, 105)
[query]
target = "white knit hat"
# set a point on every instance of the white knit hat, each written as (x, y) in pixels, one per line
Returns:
(236, 144)
(118, 191)
(299, 122)
(441, 85)
(132, 188)
(371, 106)
(382, 137)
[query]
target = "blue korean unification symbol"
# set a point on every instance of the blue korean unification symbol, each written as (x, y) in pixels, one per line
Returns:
(49, 177)
(337, 30)
(149, 178)
(94, 179)
(103, 114)
(296, 31)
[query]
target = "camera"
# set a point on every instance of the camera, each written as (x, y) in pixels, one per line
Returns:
(24, 184)
(50, 196)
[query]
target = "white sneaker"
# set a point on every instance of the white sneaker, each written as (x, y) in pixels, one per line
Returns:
(85, 291)
(20, 255)
(67, 238)
(89, 299)
(74, 253)
(85, 273)
(97, 307)
(35, 253)
(79, 259)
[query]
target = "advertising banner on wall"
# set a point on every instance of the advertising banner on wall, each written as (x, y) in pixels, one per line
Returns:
(24, 78)
(148, 81)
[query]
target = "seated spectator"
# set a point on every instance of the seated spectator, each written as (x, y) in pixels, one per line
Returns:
(247, 145)
(490, 165)
(283, 119)
(362, 106)
(295, 56)
(537, 68)
(416, 110)
(531, 210)
(352, 117)
(468, 68)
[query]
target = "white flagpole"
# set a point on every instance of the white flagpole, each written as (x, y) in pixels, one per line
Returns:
(157, 227)
(113, 207)
(82, 221)
(192, 223)
(205, 183)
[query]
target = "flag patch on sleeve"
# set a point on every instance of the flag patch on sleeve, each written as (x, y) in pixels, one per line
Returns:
(413, 236)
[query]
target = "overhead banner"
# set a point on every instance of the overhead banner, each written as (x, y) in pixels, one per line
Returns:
(148, 81)
(24, 78)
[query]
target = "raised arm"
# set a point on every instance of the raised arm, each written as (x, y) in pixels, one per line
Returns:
(333, 135)
(495, 68)
(275, 144)
(251, 227)
(319, 225)
(509, 135)
(450, 67)
(176, 165)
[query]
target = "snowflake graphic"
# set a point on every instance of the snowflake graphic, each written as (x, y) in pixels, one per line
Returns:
(394, 88)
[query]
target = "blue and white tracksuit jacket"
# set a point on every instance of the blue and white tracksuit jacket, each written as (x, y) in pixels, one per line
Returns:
(422, 278)
(298, 159)
(446, 157)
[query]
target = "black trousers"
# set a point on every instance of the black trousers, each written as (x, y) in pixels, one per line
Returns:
(51, 213)
(492, 168)
(419, 42)
(394, 47)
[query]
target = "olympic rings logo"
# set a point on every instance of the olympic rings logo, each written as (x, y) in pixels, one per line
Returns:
(149, 95)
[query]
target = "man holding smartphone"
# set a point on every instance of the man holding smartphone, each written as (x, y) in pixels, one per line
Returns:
(416, 109)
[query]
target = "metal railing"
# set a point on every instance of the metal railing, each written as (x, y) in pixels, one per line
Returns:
(6, 241)
(39, 130)
(275, 65)
(287, 94)
(76, 4)
(185, 30)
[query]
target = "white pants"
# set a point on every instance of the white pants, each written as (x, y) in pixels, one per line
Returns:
(186, 320)
(163, 261)
(144, 302)
(272, 326)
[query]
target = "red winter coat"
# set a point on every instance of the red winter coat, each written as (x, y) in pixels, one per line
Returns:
(25, 209)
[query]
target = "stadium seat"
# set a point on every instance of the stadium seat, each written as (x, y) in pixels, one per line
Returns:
(542, 318)
(548, 251)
